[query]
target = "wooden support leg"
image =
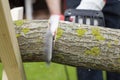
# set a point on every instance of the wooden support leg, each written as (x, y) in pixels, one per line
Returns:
(9, 50)
(17, 14)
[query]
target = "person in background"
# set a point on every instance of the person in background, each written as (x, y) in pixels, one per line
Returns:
(54, 6)
(112, 19)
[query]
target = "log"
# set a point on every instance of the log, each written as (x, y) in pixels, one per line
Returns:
(76, 45)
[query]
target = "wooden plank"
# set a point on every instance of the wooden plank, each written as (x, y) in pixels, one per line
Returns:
(9, 50)
(17, 14)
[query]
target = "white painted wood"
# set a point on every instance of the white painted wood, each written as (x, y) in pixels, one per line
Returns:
(17, 13)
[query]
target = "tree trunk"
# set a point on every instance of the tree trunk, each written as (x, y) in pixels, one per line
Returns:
(76, 45)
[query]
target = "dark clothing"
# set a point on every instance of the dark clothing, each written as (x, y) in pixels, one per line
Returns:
(111, 13)
(72, 3)
(89, 74)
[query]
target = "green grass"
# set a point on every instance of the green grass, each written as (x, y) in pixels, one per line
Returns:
(40, 71)
(1, 71)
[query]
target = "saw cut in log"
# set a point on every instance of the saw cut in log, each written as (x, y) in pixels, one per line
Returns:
(76, 45)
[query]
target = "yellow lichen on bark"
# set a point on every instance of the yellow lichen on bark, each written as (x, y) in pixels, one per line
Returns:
(59, 33)
(25, 30)
(19, 22)
(95, 51)
(81, 32)
(96, 33)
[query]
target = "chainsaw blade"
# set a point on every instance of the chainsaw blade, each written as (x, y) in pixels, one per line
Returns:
(48, 46)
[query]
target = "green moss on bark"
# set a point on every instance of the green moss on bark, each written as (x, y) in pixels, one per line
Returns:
(25, 30)
(95, 51)
(81, 32)
(96, 33)
(59, 33)
(19, 22)
(18, 35)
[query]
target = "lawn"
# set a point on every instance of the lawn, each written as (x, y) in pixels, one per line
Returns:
(40, 71)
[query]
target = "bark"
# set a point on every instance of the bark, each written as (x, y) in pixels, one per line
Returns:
(76, 45)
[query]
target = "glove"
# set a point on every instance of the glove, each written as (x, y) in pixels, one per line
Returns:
(91, 4)
(54, 21)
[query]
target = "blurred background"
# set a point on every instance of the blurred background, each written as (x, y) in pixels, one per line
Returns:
(40, 9)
